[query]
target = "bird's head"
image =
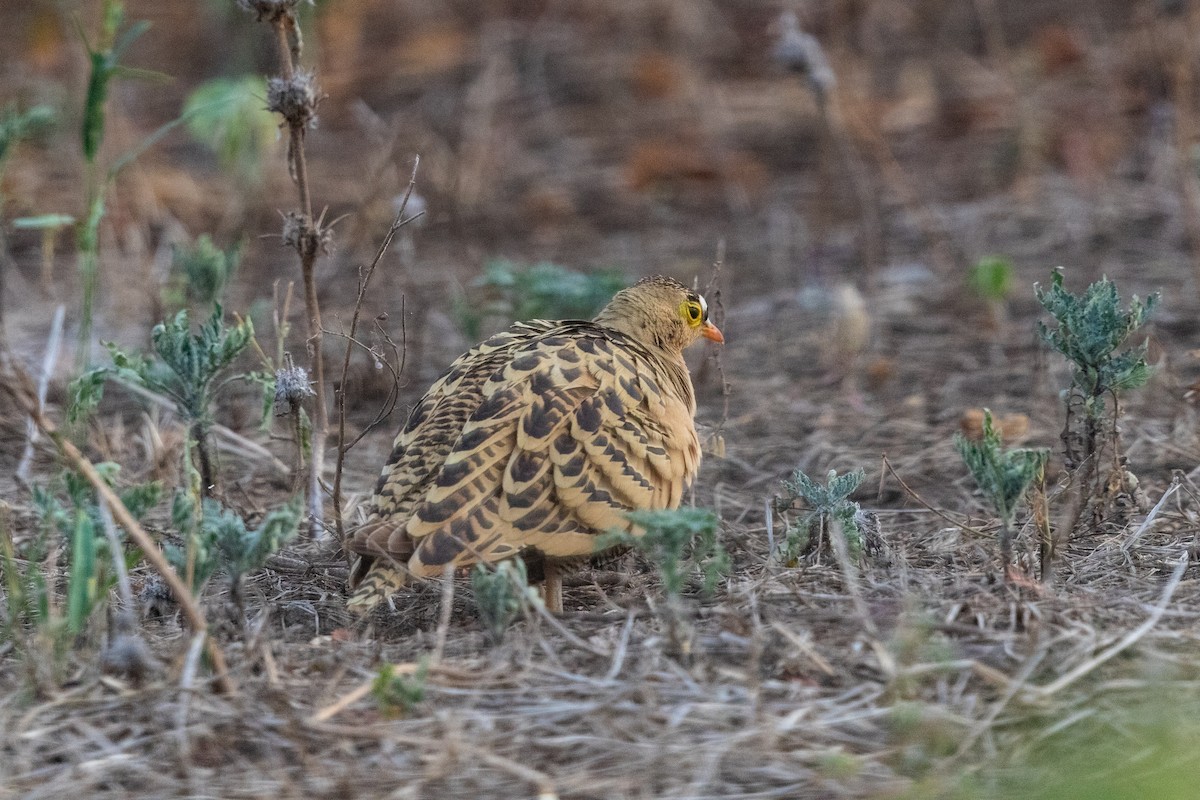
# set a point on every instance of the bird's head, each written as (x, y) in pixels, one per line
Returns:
(660, 311)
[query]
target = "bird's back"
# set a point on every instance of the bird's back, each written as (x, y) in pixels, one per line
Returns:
(540, 437)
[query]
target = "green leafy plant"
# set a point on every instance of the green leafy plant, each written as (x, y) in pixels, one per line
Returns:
(501, 592)
(187, 373)
(1002, 474)
(229, 115)
(1091, 329)
(680, 543)
(827, 503)
(217, 539)
(507, 292)
(67, 511)
(399, 691)
(105, 59)
(201, 271)
(1093, 332)
(17, 126)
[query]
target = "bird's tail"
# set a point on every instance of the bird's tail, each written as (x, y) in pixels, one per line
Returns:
(373, 582)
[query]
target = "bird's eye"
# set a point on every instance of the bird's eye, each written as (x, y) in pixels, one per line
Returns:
(694, 312)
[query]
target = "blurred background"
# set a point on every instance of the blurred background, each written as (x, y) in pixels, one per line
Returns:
(837, 151)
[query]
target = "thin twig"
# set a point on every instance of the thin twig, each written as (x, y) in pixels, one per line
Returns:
(921, 500)
(364, 281)
(354, 695)
(1015, 685)
(618, 659)
(187, 680)
(841, 551)
(566, 634)
(114, 543)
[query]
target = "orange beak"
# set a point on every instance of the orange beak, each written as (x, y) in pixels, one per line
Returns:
(712, 333)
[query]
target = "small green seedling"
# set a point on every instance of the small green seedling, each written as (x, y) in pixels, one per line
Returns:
(49, 225)
(680, 542)
(18, 126)
(992, 278)
(826, 504)
(501, 593)
(398, 691)
(187, 373)
(1002, 474)
(67, 511)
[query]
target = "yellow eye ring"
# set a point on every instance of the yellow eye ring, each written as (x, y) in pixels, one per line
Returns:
(692, 313)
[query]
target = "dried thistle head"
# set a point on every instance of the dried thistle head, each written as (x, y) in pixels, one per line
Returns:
(127, 654)
(801, 52)
(300, 234)
(269, 10)
(295, 99)
(292, 386)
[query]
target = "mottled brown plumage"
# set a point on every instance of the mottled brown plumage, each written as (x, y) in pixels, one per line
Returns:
(537, 440)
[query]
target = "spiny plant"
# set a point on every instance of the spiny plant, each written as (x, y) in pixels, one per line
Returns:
(397, 692)
(67, 510)
(187, 373)
(217, 539)
(294, 94)
(825, 504)
(1093, 331)
(1002, 474)
(501, 592)
(508, 292)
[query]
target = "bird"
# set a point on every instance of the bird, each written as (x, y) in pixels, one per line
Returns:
(538, 440)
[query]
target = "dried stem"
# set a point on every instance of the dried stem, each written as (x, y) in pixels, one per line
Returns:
(294, 96)
(363, 282)
(913, 494)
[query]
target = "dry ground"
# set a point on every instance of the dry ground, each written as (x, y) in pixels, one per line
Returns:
(926, 676)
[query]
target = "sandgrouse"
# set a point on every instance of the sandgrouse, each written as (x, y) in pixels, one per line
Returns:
(538, 440)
